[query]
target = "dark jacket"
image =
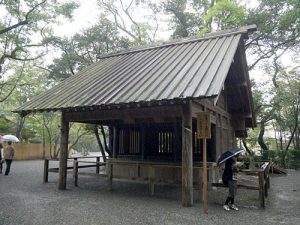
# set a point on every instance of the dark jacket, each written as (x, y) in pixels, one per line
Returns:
(228, 172)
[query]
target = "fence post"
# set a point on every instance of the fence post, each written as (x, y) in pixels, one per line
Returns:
(268, 173)
(151, 174)
(75, 172)
(46, 167)
(97, 165)
(261, 189)
(109, 175)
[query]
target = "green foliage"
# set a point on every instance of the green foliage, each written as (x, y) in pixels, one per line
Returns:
(25, 26)
(5, 126)
(83, 48)
(226, 14)
(185, 21)
(278, 29)
(126, 16)
(278, 109)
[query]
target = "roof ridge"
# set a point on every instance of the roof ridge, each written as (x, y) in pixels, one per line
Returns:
(216, 34)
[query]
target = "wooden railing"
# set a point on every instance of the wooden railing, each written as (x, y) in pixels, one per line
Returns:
(75, 167)
(262, 174)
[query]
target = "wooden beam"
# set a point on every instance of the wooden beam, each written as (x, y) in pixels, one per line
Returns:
(239, 116)
(187, 156)
(125, 114)
(235, 85)
(63, 152)
(208, 105)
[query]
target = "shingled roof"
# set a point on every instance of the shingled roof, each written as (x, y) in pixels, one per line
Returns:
(190, 68)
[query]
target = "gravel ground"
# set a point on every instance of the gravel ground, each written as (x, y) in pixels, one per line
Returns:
(26, 200)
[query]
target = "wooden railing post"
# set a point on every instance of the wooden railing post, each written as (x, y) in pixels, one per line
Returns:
(151, 174)
(75, 171)
(46, 167)
(214, 174)
(98, 165)
(268, 174)
(261, 189)
(109, 175)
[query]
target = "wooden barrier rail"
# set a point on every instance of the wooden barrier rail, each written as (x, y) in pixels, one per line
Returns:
(262, 174)
(75, 166)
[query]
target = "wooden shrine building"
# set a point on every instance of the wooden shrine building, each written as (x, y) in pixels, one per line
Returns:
(149, 97)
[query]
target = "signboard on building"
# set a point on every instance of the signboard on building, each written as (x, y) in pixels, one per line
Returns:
(203, 125)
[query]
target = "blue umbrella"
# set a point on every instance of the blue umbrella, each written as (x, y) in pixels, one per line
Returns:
(229, 154)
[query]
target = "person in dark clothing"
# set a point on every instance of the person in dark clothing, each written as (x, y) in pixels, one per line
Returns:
(229, 179)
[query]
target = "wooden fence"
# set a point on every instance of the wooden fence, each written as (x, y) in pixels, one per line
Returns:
(25, 151)
(77, 163)
(31, 151)
(263, 177)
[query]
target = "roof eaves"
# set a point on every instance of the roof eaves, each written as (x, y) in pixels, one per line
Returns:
(141, 104)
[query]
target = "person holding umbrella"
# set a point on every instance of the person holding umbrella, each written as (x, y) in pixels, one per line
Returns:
(229, 179)
(9, 153)
(229, 176)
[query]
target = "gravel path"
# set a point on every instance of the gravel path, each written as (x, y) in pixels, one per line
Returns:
(26, 200)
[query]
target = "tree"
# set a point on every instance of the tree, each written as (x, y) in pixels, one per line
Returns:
(278, 30)
(225, 14)
(127, 18)
(19, 91)
(82, 49)
(287, 118)
(24, 29)
(184, 20)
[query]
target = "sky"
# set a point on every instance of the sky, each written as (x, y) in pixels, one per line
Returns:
(86, 15)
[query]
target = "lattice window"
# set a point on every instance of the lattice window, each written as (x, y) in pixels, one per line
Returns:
(165, 142)
(129, 142)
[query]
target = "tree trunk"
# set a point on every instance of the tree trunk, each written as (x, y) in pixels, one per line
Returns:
(20, 127)
(105, 144)
(261, 137)
(251, 153)
(99, 143)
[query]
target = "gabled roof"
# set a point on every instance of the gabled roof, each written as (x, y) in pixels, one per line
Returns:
(190, 68)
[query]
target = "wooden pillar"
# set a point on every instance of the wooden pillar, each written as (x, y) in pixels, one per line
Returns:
(97, 165)
(115, 142)
(109, 175)
(75, 171)
(261, 189)
(111, 138)
(151, 174)
(143, 142)
(187, 157)
(46, 168)
(176, 140)
(63, 156)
